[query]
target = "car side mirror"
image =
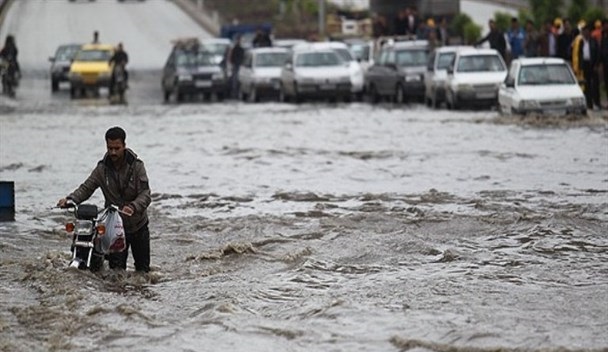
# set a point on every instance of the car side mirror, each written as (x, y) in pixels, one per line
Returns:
(51, 59)
(450, 70)
(510, 83)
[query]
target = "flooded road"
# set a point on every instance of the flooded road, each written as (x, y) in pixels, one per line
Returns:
(312, 227)
(315, 227)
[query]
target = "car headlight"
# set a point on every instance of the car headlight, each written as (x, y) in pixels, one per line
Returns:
(184, 78)
(578, 101)
(528, 104)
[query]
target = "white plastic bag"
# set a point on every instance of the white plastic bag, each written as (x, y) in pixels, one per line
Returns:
(113, 240)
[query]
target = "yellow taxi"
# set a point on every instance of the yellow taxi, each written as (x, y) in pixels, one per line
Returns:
(90, 68)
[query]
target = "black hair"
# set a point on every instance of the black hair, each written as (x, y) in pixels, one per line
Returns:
(115, 133)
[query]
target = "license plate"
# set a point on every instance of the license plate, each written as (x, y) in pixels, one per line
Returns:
(202, 84)
(486, 95)
(328, 86)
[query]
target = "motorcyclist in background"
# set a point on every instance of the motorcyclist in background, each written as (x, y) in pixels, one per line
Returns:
(120, 57)
(9, 53)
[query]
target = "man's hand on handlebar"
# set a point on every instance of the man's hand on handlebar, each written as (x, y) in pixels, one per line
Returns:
(127, 210)
(62, 203)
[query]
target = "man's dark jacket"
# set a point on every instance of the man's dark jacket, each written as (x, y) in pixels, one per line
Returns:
(126, 186)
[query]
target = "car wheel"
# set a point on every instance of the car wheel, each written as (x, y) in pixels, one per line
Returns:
(373, 94)
(54, 85)
(399, 94)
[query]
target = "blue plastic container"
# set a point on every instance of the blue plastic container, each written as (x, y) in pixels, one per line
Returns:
(7, 201)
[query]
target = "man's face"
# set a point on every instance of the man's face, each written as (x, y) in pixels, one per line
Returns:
(116, 149)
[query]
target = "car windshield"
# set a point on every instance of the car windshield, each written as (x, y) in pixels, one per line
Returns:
(328, 58)
(93, 55)
(66, 53)
(480, 63)
(194, 58)
(545, 74)
(270, 59)
(361, 51)
(215, 48)
(445, 60)
(409, 58)
(345, 54)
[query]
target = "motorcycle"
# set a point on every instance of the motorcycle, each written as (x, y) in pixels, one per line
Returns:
(8, 78)
(93, 235)
(120, 85)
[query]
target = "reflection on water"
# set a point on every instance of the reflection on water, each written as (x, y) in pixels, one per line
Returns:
(317, 228)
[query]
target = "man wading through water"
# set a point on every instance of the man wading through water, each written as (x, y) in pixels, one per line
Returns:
(123, 180)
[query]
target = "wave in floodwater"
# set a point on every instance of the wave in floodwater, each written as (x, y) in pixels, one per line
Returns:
(376, 272)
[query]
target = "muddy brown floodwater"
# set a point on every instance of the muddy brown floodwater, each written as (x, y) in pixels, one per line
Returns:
(316, 227)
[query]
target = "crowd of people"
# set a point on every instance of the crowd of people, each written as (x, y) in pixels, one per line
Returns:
(583, 45)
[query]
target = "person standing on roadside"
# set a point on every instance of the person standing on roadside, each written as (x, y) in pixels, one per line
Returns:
(531, 42)
(122, 177)
(604, 55)
(587, 52)
(516, 39)
(95, 38)
(564, 42)
(235, 58)
(496, 38)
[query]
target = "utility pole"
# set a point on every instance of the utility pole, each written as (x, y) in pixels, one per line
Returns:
(321, 19)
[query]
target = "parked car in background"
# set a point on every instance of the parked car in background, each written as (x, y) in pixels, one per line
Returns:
(355, 69)
(90, 70)
(398, 74)
(60, 64)
(474, 78)
(541, 85)
(191, 70)
(315, 73)
(436, 74)
(260, 74)
(287, 42)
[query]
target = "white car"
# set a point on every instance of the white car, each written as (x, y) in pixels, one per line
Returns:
(315, 73)
(436, 74)
(260, 74)
(543, 85)
(474, 78)
(356, 71)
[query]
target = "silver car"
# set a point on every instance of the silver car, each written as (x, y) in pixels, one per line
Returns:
(315, 73)
(260, 74)
(436, 74)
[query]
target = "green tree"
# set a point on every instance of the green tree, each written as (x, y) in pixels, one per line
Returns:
(593, 14)
(577, 10)
(503, 20)
(472, 33)
(543, 10)
(459, 22)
